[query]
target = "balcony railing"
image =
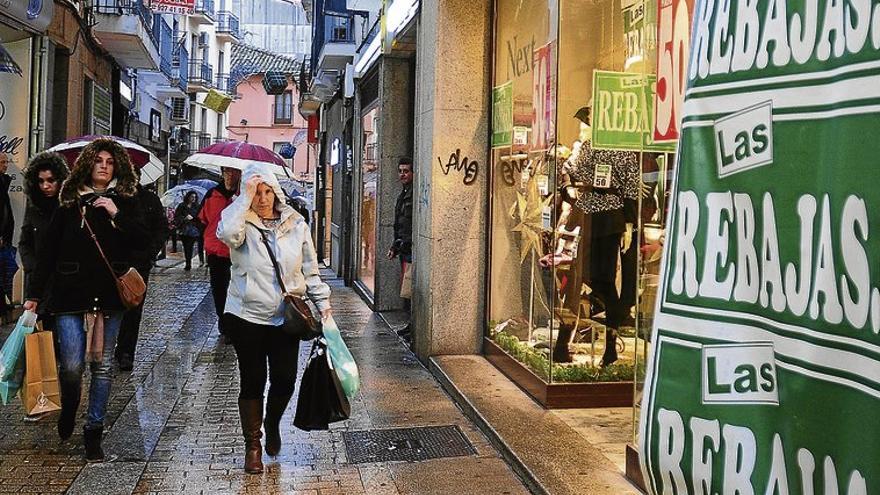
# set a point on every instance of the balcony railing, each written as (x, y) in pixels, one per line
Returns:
(128, 7)
(282, 113)
(163, 34)
(205, 7)
(339, 28)
(200, 73)
(222, 83)
(227, 23)
(200, 140)
(180, 67)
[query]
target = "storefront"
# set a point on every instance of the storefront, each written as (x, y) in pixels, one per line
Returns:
(578, 194)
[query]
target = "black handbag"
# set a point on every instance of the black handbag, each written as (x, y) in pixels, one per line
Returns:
(321, 400)
(299, 321)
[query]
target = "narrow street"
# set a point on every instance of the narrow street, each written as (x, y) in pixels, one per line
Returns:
(174, 427)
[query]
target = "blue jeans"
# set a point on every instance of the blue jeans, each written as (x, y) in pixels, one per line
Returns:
(72, 340)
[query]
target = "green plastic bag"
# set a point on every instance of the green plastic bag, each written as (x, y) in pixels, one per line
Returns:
(11, 363)
(341, 358)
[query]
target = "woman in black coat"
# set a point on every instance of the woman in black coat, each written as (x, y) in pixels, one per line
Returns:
(100, 193)
(42, 182)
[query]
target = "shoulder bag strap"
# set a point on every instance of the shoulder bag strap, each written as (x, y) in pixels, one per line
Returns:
(274, 261)
(98, 244)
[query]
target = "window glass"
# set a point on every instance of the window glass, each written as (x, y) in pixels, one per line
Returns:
(370, 167)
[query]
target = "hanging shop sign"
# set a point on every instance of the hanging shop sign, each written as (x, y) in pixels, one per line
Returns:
(502, 115)
(183, 7)
(673, 36)
(33, 15)
(765, 371)
(623, 104)
(543, 97)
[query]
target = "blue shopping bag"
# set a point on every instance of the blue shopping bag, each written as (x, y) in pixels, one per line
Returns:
(341, 358)
(11, 363)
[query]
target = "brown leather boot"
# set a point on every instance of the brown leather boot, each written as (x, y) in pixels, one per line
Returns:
(275, 407)
(251, 413)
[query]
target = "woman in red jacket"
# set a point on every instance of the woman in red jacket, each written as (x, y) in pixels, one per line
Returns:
(215, 202)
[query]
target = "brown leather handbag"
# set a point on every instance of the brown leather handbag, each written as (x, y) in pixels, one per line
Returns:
(131, 286)
(299, 320)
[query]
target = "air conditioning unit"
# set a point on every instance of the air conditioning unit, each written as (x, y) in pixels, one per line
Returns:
(179, 109)
(203, 39)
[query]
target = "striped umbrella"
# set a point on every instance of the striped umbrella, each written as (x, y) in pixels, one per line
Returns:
(237, 155)
(152, 169)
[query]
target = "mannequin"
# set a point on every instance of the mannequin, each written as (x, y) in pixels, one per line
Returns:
(610, 202)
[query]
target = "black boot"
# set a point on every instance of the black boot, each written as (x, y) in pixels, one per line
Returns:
(92, 440)
(561, 353)
(70, 395)
(275, 407)
(251, 413)
(610, 355)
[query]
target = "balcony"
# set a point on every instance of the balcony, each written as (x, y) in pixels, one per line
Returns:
(222, 84)
(125, 28)
(203, 13)
(334, 45)
(200, 140)
(227, 27)
(163, 34)
(201, 76)
(180, 69)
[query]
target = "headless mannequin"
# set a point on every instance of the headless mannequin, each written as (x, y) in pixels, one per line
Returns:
(610, 209)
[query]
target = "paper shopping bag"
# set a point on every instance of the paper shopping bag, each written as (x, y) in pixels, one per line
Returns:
(40, 392)
(406, 283)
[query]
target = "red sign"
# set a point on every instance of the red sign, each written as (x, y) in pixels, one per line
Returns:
(174, 6)
(673, 43)
(543, 118)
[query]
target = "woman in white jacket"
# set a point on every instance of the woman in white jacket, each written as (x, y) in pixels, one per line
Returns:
(254, 303)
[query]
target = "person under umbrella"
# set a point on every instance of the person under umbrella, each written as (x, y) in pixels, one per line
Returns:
(99, 197)
(186, 218)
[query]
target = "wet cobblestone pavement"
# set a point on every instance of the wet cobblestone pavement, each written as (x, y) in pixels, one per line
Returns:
(173, 421)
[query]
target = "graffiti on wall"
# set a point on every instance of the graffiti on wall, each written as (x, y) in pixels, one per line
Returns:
(470, 169)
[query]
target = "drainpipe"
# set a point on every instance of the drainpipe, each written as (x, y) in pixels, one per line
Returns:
(39, 47)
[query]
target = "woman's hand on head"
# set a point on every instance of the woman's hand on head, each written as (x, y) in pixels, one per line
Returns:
(250, 187)
(107, 204)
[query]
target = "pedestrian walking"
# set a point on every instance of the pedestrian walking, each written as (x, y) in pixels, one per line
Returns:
(259, 220)
(43, 177)
(216, 200)
(186, 218)
(8, 265)
(98, 208)
(142, 257)
(402, 245)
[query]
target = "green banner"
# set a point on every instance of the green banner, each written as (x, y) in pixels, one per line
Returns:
(502, 115)
(764, 376)
(623, 109)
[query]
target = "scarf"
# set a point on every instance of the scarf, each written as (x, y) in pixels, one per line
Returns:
(93, 322)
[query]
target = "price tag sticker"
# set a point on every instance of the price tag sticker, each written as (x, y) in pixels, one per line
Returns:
(547, 218)
(524, 177)
(602, 176)
(543, 185)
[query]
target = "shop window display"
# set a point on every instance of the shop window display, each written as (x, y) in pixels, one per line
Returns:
(578, 188)
(367, 265)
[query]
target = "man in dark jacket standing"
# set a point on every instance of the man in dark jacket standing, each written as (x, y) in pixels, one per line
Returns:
(402, 245)
(157, 225)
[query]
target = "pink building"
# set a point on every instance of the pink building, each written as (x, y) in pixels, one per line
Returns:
(269, 120)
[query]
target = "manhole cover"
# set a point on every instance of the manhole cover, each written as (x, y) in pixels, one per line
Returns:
(406, 444)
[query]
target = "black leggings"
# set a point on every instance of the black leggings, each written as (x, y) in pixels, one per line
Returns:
(218, 270)
(255, 345)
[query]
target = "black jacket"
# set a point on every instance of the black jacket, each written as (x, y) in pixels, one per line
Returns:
(7, 221)
(37, 216)
(69, 258)
(403, 222)
(156, 224)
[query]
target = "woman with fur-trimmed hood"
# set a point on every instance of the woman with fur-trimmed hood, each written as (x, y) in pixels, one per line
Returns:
(84, 300)
(42, 182)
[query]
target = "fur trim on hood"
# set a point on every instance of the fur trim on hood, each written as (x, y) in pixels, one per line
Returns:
(47, 160)
(123, 171)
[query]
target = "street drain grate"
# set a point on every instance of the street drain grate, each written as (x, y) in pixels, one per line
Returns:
(406, 444)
